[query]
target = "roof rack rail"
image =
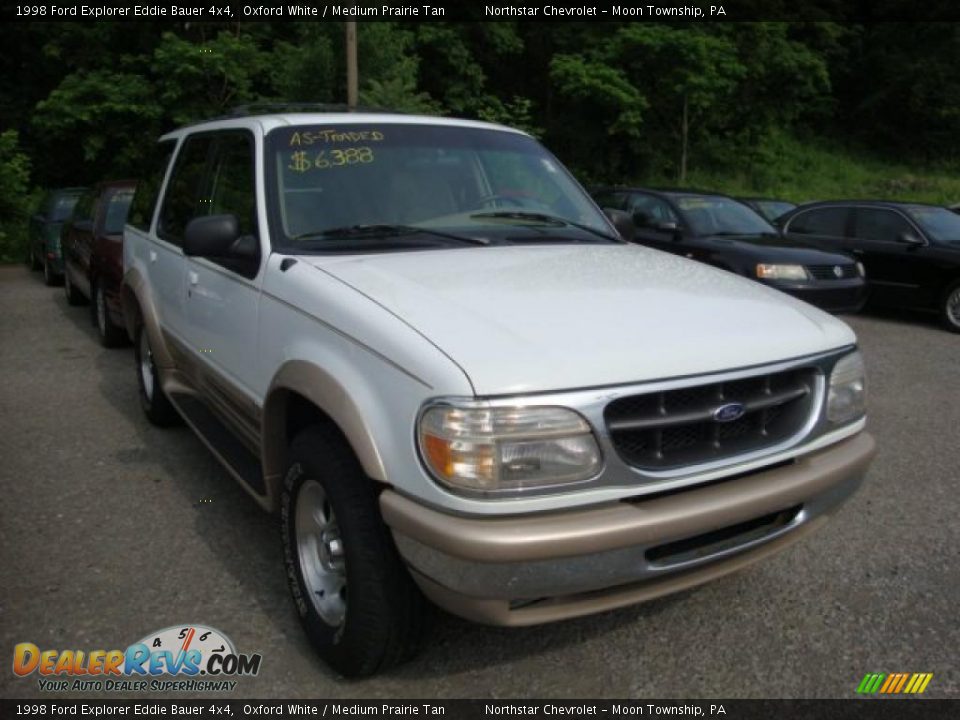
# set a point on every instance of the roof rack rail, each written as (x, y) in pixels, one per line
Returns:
(264, 108)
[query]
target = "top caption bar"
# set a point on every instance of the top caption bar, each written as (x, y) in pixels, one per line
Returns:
(715, 11)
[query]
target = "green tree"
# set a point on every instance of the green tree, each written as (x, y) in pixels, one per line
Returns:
(16, 202)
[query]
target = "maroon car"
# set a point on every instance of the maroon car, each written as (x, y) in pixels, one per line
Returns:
(92, 245)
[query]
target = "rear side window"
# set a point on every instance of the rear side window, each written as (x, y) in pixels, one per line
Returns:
(184, 197)
(145, 199)
(825, 221)
(61, 207)
(881, 225)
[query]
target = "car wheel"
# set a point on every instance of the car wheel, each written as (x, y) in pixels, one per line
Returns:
(357, 603)
(950, 312)
(156, 406)
(49, 277)
(73, 295)
(110, 334)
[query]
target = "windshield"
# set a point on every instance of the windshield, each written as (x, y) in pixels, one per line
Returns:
(714, 215)
(939, 223)
(117, 210)
(455, 182)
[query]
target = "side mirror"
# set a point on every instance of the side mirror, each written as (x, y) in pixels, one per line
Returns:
(622, 221)
(211, 236)
(908, 238)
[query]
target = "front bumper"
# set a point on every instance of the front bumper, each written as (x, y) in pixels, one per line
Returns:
(523, 570)
(837, 296)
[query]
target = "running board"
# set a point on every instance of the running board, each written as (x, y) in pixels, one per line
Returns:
(229, 450)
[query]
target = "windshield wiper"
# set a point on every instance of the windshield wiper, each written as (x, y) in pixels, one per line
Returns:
(377, 231)
(545, 219)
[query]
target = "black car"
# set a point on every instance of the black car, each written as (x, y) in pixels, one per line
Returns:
(769, 208)
(724, 232)
(911, 251)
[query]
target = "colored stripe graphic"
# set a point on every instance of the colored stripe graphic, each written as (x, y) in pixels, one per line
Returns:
(894, 683)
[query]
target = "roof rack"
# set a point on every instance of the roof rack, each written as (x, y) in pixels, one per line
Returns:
(266, 108)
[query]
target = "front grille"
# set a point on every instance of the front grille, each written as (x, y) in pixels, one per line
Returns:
(828, 272)
(676, 428)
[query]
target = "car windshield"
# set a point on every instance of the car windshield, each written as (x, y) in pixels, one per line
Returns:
(366, 185)
(715, 215)
(117, 210)
(939, 223)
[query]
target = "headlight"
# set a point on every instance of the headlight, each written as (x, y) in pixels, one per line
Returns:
(493, 449)
(781, 272)
(861, 271)
(847, 398)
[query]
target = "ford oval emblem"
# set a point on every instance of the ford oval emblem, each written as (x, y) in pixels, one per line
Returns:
(729, 412)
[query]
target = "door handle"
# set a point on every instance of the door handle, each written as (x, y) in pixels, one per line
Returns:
(153, 256)
(192, 277)
(857, 251)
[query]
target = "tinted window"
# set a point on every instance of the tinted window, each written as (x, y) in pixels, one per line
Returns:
(118, 204)
(84, 209)
(772, 209)
(939, 223)
(184, 197)
(610, 199)
(881, 225)
(232, 189)
(650, 210)
(145, 199)
(825, 221)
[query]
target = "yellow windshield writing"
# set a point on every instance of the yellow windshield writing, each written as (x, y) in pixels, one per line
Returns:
(331, 135)
(302, 161)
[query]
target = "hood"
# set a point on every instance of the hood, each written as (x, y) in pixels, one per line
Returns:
(530, 319)
(767, 248)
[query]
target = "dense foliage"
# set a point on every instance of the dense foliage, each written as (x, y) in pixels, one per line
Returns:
(617, 102)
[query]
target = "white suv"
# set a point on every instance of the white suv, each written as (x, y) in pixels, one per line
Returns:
(421, 342)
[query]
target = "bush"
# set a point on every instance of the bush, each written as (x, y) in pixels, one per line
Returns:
(16, 200)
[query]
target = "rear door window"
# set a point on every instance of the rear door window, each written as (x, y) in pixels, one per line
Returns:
(830, 221)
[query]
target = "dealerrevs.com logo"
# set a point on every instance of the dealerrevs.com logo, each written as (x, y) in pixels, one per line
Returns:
(200, 657)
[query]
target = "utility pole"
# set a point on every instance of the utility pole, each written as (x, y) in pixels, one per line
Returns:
(351, 65)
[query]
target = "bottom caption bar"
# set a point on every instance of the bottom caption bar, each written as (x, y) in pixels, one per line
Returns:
(893, 709)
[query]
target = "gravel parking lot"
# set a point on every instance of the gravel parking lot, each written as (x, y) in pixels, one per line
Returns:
(111, 528)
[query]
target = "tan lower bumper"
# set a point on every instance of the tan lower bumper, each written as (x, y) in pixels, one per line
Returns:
(523, 570)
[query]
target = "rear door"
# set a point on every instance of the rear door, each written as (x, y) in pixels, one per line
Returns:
(77, 241)
(900, 273)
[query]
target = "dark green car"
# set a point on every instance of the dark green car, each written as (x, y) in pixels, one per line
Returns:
(44, 251)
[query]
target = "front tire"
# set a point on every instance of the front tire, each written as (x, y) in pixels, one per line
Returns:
(110, 335)
(357, 603)
(950, 309)
(153, 400)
